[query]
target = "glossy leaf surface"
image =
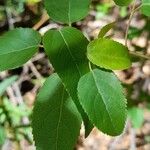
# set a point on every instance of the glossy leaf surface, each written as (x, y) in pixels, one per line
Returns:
(67, 11)
(100, 93)
(108, 54)
(56, 121)
(17, 47)
(66, 49)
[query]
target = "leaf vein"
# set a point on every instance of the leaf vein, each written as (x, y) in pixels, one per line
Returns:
(59, 119)
(70, 52)
(98, 90)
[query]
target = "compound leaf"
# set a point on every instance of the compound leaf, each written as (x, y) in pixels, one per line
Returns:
(100, 93)
(56, 120)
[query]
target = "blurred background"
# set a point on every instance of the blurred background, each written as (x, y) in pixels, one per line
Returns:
(18, 87)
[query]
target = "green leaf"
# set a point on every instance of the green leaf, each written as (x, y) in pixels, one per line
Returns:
(136, 116)
(56, 121)
(108, 54)
(105, 29)
(67, 11)
(6, 83)
(66, 49)
(100, 93)
(145, 8)
(2, 135)
(17, 47)
(123, 2)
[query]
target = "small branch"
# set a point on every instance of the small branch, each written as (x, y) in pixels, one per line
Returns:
(38, 56)
(140, 55)
(18, 93)
(133, 139)
(44, 19)
(11, 95)
(34, 70)
(23, 126)
(129, 22)
(10, 19)
(19, 99)
(137, 8)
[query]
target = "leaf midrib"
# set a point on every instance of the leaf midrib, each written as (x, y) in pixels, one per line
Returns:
(19, 50)
(113, 57)
(102, 99)
(59, 119)
(69, 17)
(70, 52)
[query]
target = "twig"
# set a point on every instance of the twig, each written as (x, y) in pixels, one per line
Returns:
(10, 19)
(18, 93)
(19, 99)
(137, 8)
(129, 22)
(44, 19)
(11, 95)
(38, 57)
(132, 139)
(34, 70)
(138, 54)
(133, 10)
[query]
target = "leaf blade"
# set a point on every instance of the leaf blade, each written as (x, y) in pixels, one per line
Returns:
(66, 50)
(22, 44)
(55, 117)
(108, 54)
(123, 2)
(145, 7)
(69, 11)
(102, 102)
(105, 29)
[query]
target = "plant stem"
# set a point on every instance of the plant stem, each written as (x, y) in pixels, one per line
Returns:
(137, 8)
(140, 55)
(90, 67)
(133, 10)
(42, 21)
(129, 22)
(23, 126)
